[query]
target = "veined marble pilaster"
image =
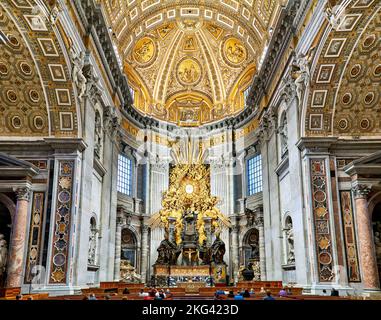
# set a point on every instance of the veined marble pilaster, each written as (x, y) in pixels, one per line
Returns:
(16, 255)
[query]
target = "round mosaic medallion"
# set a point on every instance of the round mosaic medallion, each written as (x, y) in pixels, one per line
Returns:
(325, 258)
(144, 51)
(234, 51)
(59, 259)
(319, 196)
(188, 72)
(64, 196)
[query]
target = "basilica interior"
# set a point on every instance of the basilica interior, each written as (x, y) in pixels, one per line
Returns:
(190, 144)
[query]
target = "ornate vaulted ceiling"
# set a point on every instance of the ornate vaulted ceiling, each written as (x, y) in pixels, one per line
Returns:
(344, 99)
(36, 92)
(190, 62)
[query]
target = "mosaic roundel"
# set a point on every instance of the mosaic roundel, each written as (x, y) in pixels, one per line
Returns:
(59, 259)
(189, 71)
(355, 71)
(325, 258)
(64, 196)
(347, 98)
(234, 51)
(319, 196)
(144, 51)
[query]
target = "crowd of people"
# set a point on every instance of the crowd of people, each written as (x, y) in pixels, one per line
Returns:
(246, 293)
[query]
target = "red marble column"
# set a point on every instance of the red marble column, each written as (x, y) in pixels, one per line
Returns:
(365, 236)
(18, 240)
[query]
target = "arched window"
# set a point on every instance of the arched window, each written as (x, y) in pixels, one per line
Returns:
(289, 236)
(129, 247)
(376, 222)
(92, 255)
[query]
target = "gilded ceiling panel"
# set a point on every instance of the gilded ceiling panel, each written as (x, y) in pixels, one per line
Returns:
(37, 95)
(344, 96)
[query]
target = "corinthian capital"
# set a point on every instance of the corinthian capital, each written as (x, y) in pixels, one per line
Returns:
(23, 193)
(361, 191)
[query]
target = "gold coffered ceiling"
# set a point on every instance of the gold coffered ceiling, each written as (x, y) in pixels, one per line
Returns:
(190, 62)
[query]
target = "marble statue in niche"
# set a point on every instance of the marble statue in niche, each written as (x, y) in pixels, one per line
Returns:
(290, 242)
(92, 244)
(3, 256)
(283, 134)
(98, 135)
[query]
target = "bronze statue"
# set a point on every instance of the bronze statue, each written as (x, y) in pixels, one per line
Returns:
(218, 250)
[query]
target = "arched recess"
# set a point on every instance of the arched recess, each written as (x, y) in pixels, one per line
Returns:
(129, 247)
(250, 246)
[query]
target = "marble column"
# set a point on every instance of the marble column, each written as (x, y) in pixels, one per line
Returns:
(262, 253)
(365, 236)
(118, 248)
(235, 257)
(18, 239)
(144, 263)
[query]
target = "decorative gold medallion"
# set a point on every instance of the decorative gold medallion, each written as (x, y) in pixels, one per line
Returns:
(234, 51)
(189, 72)
(144, 50)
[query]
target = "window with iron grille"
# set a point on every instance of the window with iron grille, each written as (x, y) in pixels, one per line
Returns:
(254, 175)
(124, 175)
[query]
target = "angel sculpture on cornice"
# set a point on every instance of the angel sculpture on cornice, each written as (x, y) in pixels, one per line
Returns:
(78, 62)
(301, 72)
